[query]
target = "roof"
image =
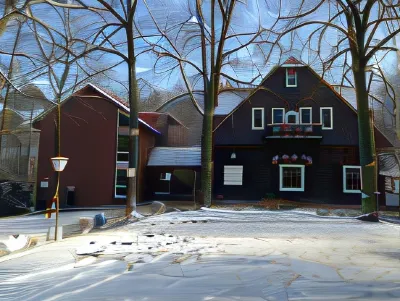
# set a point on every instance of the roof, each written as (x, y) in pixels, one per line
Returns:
(175, 156)
(292, 61)
(229, 100)
(153, 119)
(389, 164)
(120, 103)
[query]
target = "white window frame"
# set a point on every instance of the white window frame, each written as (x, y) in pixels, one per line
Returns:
(287, 78)
(262, 119)
(345, 190)
(281, 167)
(229, 182)
(165, 176)
(301, 119)
(320, 117)
(291, 113)
(283, 115)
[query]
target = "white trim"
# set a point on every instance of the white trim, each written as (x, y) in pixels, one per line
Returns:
(302, 168)
(167, 176)
(295, 77)
(291, 113)
(283, 115)
(292, 65)
(301, 119)
(344, 178)
(262, 119)
(118, 103)
(320, 117)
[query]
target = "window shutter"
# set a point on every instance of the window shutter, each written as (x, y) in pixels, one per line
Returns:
(233, 175)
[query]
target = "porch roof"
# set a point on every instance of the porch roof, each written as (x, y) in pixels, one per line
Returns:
(175, 156)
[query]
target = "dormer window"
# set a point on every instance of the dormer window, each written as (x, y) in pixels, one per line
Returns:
(291, 77)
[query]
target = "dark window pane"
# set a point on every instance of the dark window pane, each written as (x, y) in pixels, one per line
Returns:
(291, 119)
(291, 77)
(291, 177)
(278, 116)
(123, 142)
(257, 118)
(306, 116)
(123, 157)
(121, 182)
(123, 120)
(326, 118)
(120, 191)
(353, 179)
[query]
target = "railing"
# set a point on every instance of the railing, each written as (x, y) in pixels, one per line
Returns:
(294, 130)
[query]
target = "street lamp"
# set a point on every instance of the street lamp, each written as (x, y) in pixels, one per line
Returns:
(59, 164)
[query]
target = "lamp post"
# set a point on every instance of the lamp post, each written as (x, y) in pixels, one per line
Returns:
(59, 164)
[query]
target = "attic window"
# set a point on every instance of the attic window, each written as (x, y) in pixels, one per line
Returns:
(291, 77)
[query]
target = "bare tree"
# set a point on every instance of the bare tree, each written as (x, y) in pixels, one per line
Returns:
(351, 38)
(103, 30)
(210, 43)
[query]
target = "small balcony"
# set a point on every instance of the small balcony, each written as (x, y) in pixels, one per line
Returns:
(288, 131)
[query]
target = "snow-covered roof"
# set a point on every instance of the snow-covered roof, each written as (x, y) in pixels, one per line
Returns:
(175, 156)
(228, 101)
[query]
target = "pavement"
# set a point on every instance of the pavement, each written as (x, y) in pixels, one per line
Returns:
(206, 255)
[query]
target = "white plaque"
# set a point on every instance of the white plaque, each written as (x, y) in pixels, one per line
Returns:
(131, 172)
(44, 184)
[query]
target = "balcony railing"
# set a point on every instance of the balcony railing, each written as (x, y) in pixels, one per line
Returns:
(294, 131)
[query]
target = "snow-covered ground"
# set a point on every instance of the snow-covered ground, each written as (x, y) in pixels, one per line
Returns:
(208, 255)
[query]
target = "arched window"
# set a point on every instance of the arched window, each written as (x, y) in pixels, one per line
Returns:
(292, 117)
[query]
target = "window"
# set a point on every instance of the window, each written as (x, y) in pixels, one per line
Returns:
(326, 118)
(122, 156)
(121, 183)
(258, 118)
(291, 177)
(396, 185)
(306, 115)
(292, 117)
(352, 179)
(291, 77)
(233, 175)
(165, 176)
(278, 115)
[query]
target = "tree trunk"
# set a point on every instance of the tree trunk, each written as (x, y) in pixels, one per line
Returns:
(366, 142)
(131, 197)
(207, 145)
(133, 148)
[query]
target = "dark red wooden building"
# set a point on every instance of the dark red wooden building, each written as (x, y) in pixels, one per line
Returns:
(94, 136)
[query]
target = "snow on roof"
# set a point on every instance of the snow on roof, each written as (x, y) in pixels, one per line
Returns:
(175, 156)
(292, 62)
(229, 100)
(120, 103)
